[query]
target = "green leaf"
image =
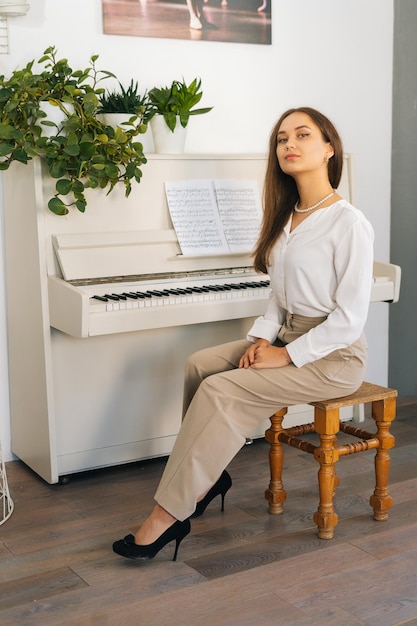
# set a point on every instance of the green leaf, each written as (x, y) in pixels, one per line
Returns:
(5, 94)
(87, 149)
(201, 111)
(72, 150)
(184, 118)
(8, 132)
(21, 156)
(171, 120)
(93, 182)
(98, 158)
(5, 148)
(138, 175)
(63, 186)
(72, 139)
(57, 206)
(112, 170)
(130, 170)
(78, 187)
(81, 204)
(57, 169)
(121, 136)
(51, 153)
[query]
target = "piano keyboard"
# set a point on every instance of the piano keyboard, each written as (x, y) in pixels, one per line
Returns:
(129, 304)
(178, 295)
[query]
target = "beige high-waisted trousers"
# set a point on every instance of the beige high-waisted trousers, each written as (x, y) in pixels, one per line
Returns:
(223, 405)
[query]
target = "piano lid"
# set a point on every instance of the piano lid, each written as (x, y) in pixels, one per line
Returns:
(89, 256)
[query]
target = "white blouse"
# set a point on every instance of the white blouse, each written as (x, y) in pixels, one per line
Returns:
(323, 267)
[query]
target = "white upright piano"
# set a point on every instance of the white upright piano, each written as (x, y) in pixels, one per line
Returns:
(103, 310)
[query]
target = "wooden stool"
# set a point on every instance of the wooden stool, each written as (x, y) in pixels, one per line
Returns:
(327, 424)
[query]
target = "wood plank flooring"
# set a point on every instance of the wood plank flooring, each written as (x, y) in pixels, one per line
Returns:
(242, 566)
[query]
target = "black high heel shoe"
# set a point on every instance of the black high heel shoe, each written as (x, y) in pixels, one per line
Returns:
(220, 488)
(131, 550)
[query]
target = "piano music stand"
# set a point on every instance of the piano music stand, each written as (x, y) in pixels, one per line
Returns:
(6, 501)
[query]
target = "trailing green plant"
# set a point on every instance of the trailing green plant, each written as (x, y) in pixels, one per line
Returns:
(90, 154)
(177, 102)
(128, 100)
(82, 152)
(19, 105)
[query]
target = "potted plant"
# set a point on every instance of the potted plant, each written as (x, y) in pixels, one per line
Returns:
(125, 100)
(125, 107)
(81, 151)
(171, 109)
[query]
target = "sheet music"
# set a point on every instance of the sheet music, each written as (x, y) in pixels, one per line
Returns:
(215, 216)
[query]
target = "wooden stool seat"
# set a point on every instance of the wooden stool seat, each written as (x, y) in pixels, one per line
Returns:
(327, 424)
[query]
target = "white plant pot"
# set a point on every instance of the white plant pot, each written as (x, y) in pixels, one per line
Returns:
(166, 141)
(54, 114)
(114, 119)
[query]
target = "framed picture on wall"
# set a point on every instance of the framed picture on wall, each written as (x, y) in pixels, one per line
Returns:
(235, 21)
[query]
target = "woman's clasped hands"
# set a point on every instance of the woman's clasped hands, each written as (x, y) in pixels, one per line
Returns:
(261, 355)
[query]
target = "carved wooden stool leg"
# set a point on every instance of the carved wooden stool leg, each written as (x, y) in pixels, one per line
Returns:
(276, 493)
(326, 425)
(383, 412)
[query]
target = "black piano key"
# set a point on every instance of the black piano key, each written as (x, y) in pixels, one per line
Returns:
(111, 297)
(133, 296)
(120, 296)
(144, 294)
(101, 298)
(155, 294)
(177, 292)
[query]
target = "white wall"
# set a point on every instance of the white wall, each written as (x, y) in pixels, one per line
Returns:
(327, 54)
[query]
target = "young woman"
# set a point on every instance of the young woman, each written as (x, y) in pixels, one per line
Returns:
(318, 251)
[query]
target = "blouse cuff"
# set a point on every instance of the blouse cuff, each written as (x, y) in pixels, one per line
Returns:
(263, 329)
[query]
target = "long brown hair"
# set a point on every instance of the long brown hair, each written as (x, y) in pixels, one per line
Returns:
(280, 191)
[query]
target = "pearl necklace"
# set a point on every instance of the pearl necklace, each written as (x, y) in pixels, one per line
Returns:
(310, 208)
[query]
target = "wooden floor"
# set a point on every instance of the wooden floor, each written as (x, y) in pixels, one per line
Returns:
(241, 567)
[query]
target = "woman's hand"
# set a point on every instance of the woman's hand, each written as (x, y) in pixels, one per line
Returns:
(248, 358)
(261, 355)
